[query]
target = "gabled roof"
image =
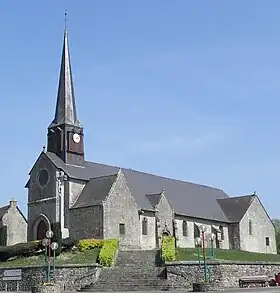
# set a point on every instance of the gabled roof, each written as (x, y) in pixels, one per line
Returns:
(154, 199)
(3, 211)
(95, 191)
(235, 208)
(186, 198)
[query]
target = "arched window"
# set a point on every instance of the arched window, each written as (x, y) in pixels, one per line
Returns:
(221, 228)
(185, 228)
(144, 226)
(196, 231)
(250, 227)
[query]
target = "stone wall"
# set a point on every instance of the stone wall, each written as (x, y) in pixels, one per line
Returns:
(223, 274)
(41, 199)
(211, 227)
(262, 239)
(86, 222)
(69, 277)
(148, 241)
(165, 215)
(120, 208)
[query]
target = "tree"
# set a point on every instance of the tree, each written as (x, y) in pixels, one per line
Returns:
(276, 223)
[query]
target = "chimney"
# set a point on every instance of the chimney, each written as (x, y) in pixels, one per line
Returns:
(13, 203)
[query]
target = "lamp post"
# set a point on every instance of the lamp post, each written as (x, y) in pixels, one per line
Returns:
(49, 235)
(198, 245)
(212, 238)
(54, 247)
(203, 229)
(45, 243)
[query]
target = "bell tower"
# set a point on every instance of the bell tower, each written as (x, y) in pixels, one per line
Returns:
(65, 133)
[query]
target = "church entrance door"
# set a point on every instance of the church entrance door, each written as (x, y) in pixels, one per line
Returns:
(41, 230)
(164, 234)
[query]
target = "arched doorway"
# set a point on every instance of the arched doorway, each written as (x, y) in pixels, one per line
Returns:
(165, 233)
(42, 228)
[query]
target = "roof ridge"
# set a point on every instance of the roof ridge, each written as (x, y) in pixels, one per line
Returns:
(237, 197)
(155, 193)
(152, 174)
(103, 176)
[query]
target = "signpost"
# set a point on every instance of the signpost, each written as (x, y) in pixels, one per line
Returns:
(12, 275)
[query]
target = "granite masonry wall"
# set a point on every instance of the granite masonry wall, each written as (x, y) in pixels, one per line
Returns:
(68, 277)
(222, 274)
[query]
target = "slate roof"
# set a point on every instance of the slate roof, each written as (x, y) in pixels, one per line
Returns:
(235, 207)
(186, 198)
(3, 211)
(95, 191)
(154, 199)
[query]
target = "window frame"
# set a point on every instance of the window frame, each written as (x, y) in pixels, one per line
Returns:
(250, 228)
(185, 229)
(121, 228)
(144, 226)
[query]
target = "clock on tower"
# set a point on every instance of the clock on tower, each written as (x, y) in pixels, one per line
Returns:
(75, 143)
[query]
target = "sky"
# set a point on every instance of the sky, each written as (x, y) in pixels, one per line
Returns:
(184, 89)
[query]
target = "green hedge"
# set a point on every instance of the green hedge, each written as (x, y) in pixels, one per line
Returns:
(108, 252)
(87, 244)
(3, 236)
(168, 251)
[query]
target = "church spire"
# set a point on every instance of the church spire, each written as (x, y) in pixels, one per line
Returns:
(65, 112)
(65, 133)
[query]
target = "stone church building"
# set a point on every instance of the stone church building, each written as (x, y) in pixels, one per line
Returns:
(92, 200)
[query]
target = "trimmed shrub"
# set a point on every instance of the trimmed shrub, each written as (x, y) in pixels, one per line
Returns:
(108, 252)
(168, 251)
(87, 244)
(67, 244)
(57, 236)
(3, 236)
(20, 250)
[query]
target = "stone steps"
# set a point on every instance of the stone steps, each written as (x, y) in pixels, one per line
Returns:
(134, 271)
(144, 285)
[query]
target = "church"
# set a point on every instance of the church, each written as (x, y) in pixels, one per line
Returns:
(91, 200)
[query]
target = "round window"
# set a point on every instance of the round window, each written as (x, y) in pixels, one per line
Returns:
(43, 177)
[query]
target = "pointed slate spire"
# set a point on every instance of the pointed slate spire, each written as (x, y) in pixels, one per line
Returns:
(65, 112)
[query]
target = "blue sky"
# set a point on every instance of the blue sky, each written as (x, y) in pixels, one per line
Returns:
(186, 89)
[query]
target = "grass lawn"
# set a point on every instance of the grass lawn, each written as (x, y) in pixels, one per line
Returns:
(73, 257)
(223, 254)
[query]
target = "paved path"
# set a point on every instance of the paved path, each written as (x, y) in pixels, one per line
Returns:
(233, 290)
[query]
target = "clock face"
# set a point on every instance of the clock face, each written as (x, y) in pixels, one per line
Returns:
(76, 138)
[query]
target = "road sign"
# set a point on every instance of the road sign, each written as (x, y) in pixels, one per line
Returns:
(12, 275)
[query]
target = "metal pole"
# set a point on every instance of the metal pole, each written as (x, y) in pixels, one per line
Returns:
(53, 260)
(198, 253)
(46, 254)
(212, 248)
(49, 263)
(46, 262)
(204, 257)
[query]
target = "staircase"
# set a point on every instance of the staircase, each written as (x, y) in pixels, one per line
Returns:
(134, 271)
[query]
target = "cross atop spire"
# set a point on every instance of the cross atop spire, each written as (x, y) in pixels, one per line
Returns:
(65, 20)
(65, 112)
(65, 133)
